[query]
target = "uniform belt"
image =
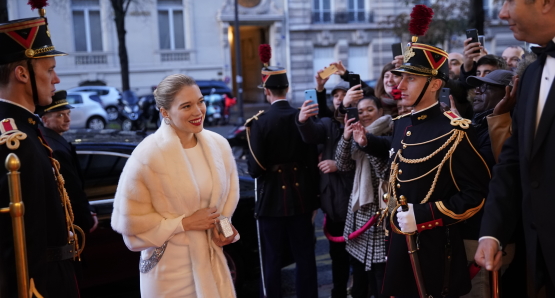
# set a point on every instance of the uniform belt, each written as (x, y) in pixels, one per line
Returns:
(60, 253)
(285, 166)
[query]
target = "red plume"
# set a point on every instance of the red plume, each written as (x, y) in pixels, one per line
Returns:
(265, 53)
(420, 19)
(38, 4)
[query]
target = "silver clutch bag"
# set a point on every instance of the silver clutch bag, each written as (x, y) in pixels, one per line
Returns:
(147, 265)
(224, 226)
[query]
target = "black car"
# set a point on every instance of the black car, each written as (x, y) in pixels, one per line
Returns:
(208, 87)
(106, 259)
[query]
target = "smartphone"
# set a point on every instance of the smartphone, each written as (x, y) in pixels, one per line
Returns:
(310, 94)
(328, 71)
(397, 50)
(354, 79)
(352, 113)
(473, 33)
(444, 96)
(482, 40)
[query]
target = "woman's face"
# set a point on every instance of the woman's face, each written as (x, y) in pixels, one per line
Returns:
(187, 111)
(368, 112)
(389, 81)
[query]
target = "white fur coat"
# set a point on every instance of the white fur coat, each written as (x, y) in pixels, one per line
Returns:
(158, 183)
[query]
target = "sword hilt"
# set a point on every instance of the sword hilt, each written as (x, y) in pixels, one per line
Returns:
(403, 203)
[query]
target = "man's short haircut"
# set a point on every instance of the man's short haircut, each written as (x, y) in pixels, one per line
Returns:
(516, 47)
(282, 92)
(492, 60)
(7, 69)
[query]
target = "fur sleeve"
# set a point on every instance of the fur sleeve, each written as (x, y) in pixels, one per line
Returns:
(133, 211)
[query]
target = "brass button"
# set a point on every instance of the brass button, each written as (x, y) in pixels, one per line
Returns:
(423, 227)
(296, 184)
(294, 169)
(279, 171)
(408, 133)
(400, 171)
(437, 223)
(430, 225)
(398, 185)
(404, 146)
(401, 197)
(283, 187)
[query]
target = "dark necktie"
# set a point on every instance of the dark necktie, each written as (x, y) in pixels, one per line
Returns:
(544, 52)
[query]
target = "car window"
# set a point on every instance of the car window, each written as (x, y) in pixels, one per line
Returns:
(74, 99)
(101, 171)
(103, 92)
(96, 98)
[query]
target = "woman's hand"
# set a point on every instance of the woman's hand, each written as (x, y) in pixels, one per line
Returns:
(340, 67)
(359, 134)
(202, 219)
(307, 110)
(352, 97)
(320, 82)
(327, 166)
(348, 130)
(220, 240)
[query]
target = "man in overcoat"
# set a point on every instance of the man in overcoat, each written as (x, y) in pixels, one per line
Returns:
(522, 183)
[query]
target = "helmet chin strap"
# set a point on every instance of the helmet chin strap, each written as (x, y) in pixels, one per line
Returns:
(33, 82)
(423, 91)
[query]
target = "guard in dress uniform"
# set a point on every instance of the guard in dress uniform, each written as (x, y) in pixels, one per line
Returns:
(437, 170)
(287, 175)
(27, 77)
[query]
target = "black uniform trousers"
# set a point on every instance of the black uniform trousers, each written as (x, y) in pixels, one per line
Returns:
(298, 231)
(340, 268)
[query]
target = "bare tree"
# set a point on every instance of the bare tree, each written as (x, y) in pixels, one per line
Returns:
(120, 8)
(450, 19)
(3, 11)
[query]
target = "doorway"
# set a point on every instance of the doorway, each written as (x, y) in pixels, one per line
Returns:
(251, 38)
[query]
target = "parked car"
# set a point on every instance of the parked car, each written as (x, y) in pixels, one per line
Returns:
(87, 112)
(208, 87)
(109, 96)
(102, 160)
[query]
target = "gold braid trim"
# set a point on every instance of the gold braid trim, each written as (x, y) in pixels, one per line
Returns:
(12, 139)
(248, 127)
(467, 214)
(71, 228)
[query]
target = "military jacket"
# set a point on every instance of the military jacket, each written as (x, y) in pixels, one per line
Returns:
(286, 167)
(44, 218)
(436, 167)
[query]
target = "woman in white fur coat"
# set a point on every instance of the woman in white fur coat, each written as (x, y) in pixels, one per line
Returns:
(175, 185)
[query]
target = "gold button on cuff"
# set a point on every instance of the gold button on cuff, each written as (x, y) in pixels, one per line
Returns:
(423, 227)
(408, 133)
(398, 185)
(430, 225)
(283, 187)
(437, 223)
(400, 171)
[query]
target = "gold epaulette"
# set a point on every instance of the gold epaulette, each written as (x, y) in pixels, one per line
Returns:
(457, 120)
(401, 116)
(255, 117)
(10, 134)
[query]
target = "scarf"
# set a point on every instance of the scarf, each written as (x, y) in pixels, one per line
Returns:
(363, 190)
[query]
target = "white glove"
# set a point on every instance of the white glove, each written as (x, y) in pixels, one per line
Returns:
(406, 220)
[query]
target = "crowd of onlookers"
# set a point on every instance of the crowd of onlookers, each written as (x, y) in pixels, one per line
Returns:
(482, 88)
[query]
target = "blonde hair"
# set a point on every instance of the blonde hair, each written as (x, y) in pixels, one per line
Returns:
(167, 89)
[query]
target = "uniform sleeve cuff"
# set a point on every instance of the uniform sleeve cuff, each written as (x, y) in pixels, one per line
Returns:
(493, 238)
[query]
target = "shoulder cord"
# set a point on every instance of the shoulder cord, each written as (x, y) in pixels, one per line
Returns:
(71, 228)
(457, 136)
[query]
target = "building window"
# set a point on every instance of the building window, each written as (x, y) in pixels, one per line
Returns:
(87, 28)
(171, 25)
(356, 11)
(358, 61)
(321, 11)
(322, 57)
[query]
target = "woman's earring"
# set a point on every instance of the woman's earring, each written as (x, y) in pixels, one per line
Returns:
(167, 120)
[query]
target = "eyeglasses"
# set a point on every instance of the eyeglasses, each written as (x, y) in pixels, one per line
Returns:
(482, 88)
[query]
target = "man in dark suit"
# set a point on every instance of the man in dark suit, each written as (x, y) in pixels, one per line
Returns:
(56, 119)
(286, 171)
(28, 78)
(522, 181)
